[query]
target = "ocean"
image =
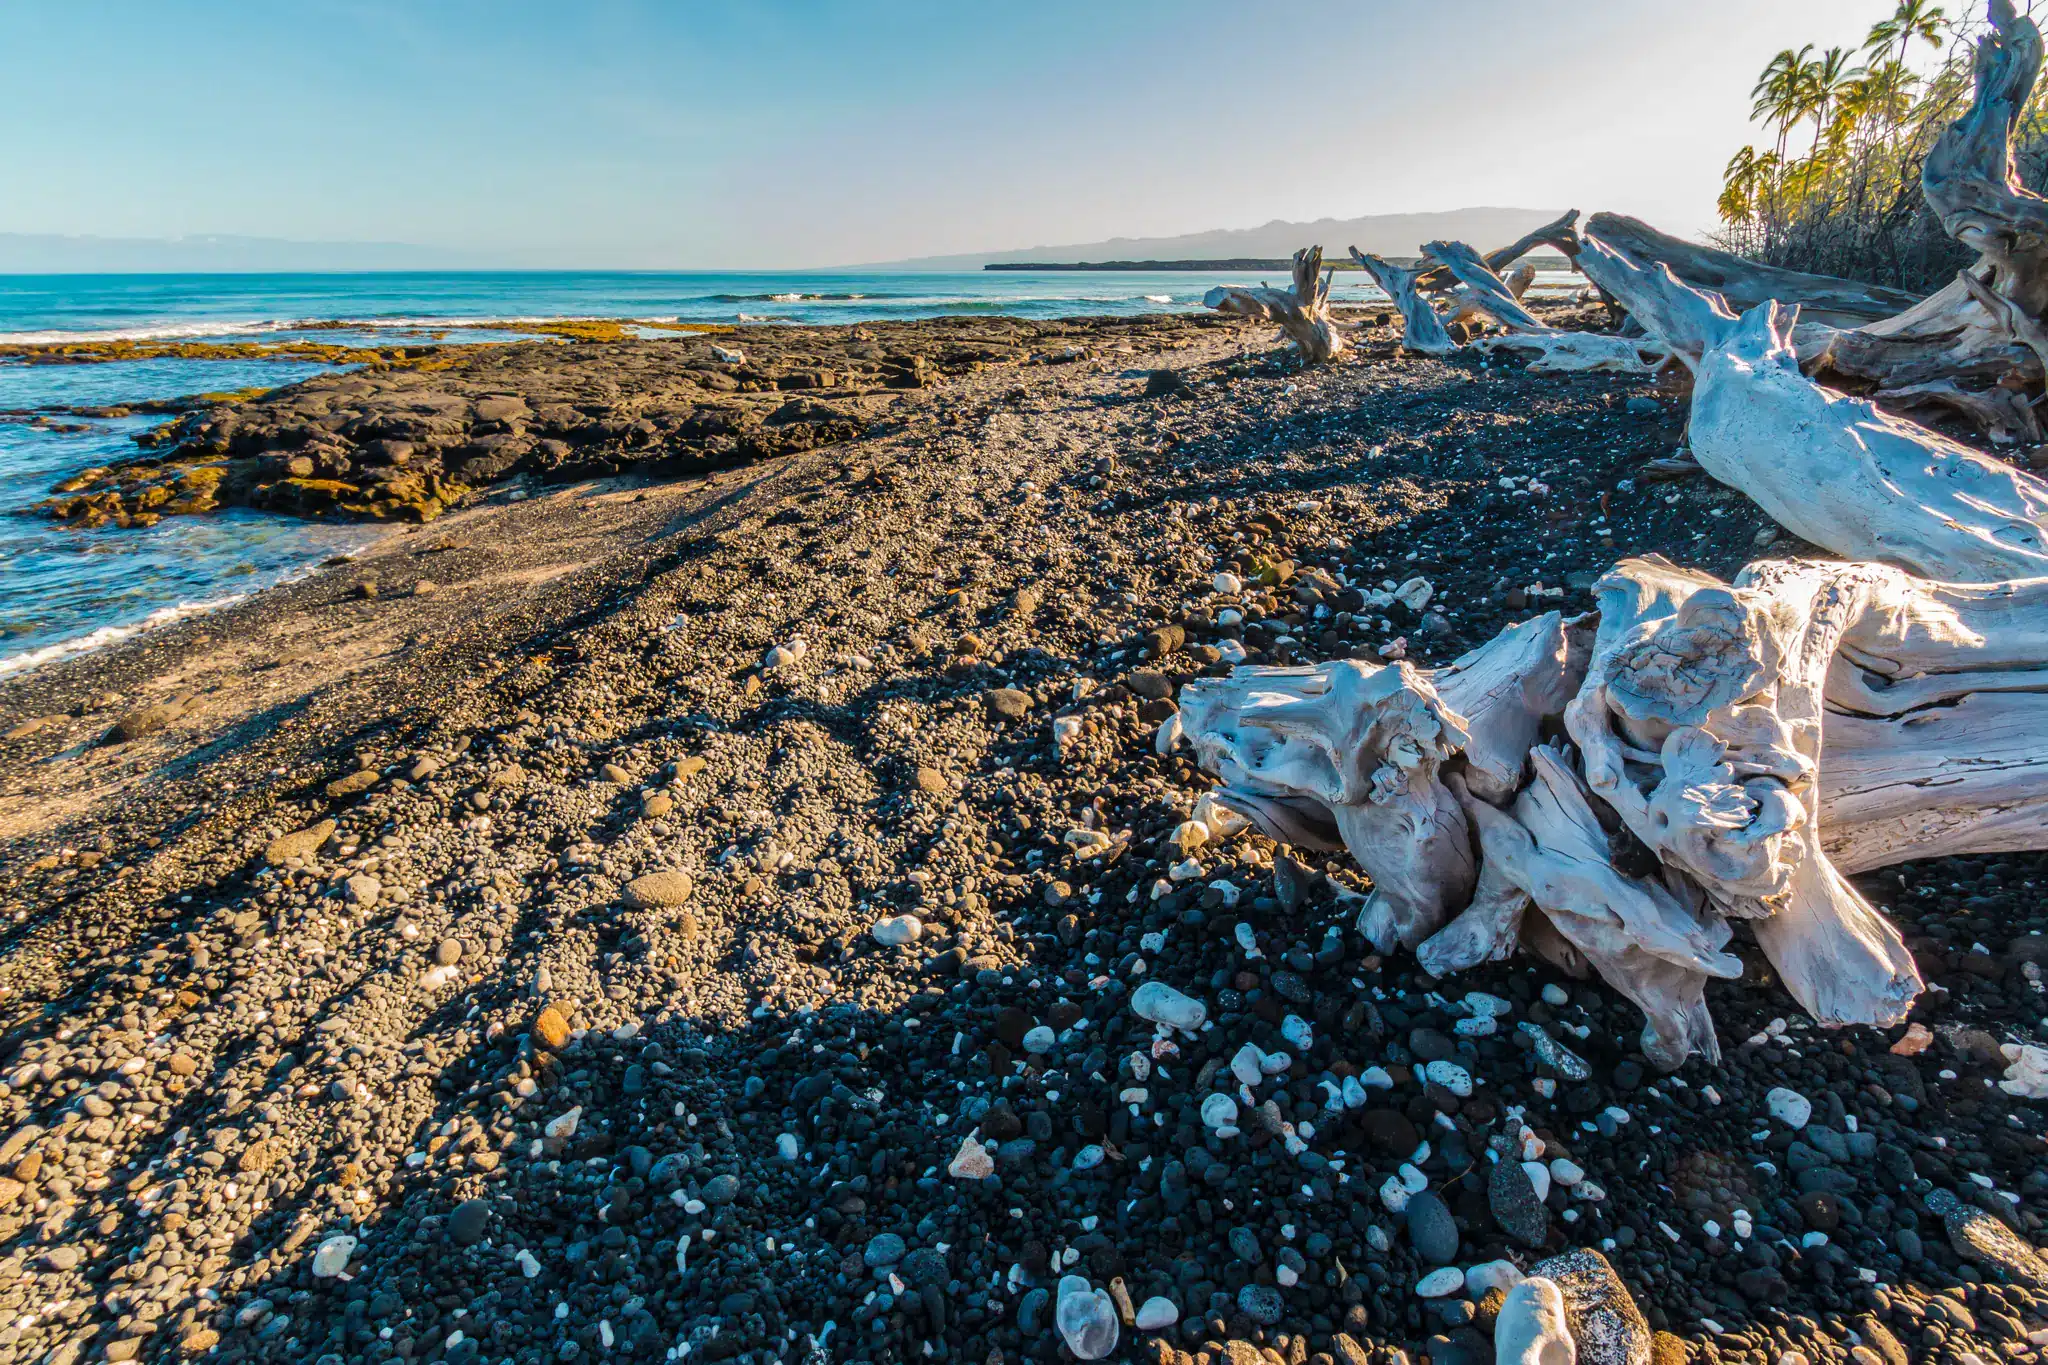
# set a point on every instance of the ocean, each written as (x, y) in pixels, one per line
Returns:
(64, 589)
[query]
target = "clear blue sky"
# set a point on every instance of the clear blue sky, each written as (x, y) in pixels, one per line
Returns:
(808, 132)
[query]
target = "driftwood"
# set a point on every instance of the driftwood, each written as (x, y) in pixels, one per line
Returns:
(1982, 332)
(1561, 232)
(1302, 312)
(1833, 469)
(1582, 352)
(1483, 289)
(1969, 178)
(1760, 740)
(1745, 284)
(1465, 306)
(1422, 328)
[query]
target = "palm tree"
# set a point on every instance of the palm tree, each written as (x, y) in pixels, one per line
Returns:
(1780, 93)
(1883, 93)
(1912, 19)
(1741, 184)
(1822, 81)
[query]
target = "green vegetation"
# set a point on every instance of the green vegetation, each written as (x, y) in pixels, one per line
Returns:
(1838, 190)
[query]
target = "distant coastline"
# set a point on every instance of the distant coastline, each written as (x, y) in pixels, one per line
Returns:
(1544, 262)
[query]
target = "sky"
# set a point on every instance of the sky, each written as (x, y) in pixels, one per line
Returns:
(791, 133)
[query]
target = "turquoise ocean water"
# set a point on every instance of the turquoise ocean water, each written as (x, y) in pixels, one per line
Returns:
(63, 589)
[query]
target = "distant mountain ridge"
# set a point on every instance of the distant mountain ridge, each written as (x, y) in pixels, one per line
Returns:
(1398, 235)
(1383, 234)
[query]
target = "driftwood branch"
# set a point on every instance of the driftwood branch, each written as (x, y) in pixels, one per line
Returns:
(1969, 178)
(1423, 330)
(1835, 470)
(1982, 333)
(1759, 740)
(1301, 312)
(1483, 289)
(1582, 352)
(1745, 284)
(1466, 310)
(1561, 232)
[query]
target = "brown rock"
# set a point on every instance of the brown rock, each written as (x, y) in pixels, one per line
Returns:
(1605, 1323)
(302, 843)
(181, 1065)
(1879, 1339)
(658, 890)
(354, 784)
(614, 774)
(28, 1168)
(657, 805)
(551, 1030)
(1666, 1349)
(1007, 703)
(1150, 684)
(687, 768)
(932, 782)
(198, 1340)
(1164, 640)
(257, 1156)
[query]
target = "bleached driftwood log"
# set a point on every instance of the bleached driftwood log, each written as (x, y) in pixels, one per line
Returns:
(1464, 303)
(1301, 312)
(2002, 411)
(1351, 752)
(1483, 289)
(1701, 724)
(1422, 328)
(1652, 940)
(1561, 232)
(1582, 352)
(1759, 740)
(1745, 284)
(1833, 469)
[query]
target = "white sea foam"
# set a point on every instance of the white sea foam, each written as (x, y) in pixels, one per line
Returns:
(251, 327)
(162, 332)
(1159, 298)
(107, 635)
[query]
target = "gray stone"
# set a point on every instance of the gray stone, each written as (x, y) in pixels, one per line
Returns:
(1261, 1303)
(1432, 1229)
(1512, 1197)
(467, 1223)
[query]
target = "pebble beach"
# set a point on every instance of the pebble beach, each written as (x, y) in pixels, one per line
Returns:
(720, 883)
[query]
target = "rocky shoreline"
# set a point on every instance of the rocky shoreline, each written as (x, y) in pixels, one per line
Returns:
(648, 917)
(416, 433)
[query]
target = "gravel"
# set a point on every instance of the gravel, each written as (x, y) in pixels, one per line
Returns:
(511, 1098)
